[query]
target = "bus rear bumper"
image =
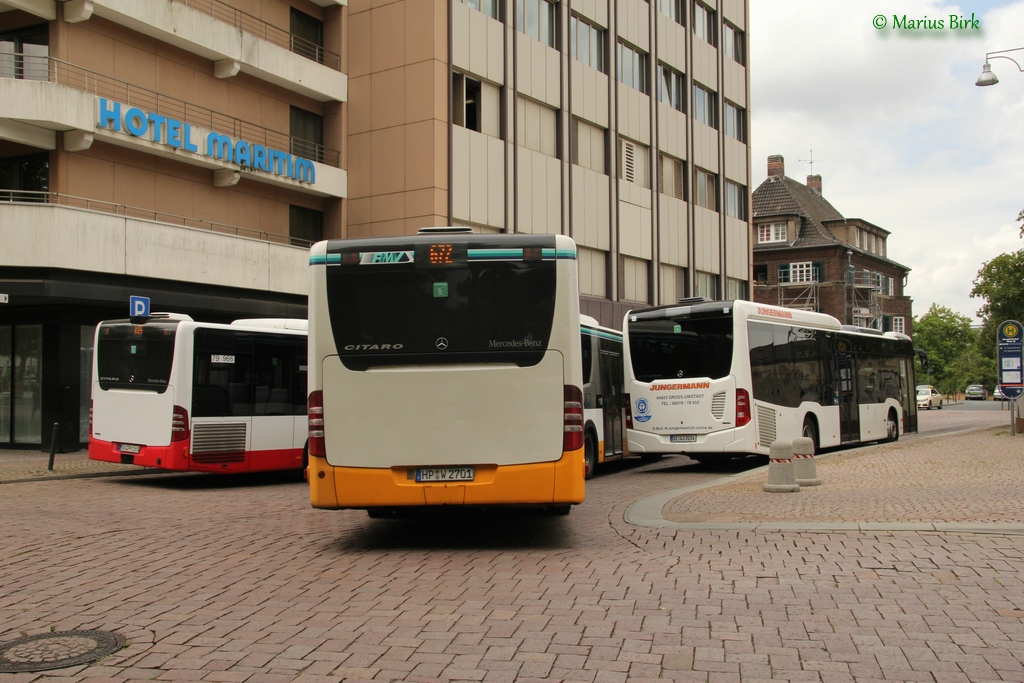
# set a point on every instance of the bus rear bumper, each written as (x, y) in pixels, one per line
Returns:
(559, 482)
(716, 442)
(172, 457)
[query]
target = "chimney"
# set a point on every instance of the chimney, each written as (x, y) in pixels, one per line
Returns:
(776, 166)
(814, 182)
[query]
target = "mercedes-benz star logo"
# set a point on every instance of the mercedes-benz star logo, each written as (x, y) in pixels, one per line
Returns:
(441, 343)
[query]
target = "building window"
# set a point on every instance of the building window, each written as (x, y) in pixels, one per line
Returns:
(307, 37)
(475, 105)
(856, 237)
(671, 86)
(771, 232)
(672, 177)
(632, 67)
(735, 289)
(25, 179)
(704, 106)
(488, 7)
(305, 226)
(674, 10)
(587, 144)
(704, 23)
(734, 43)
(761, 274)
(586, 43)
(705, 284)
(899, 324)
(704, 184)
(24, 54)
(537, 126)
(735, 122)
(805, 271)
(892, 287)
(21, 384)
(633, 162)
(307, 131)
(735, 200)
(537, 19)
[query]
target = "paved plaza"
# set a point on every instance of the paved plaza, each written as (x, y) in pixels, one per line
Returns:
(904, 565)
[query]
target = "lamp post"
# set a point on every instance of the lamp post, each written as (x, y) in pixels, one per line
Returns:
(989, 78)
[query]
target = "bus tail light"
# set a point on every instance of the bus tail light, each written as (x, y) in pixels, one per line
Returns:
(629, 411)
(742, 407)
(90, 417)
(180, 430)
(572, 439)
(317, 445)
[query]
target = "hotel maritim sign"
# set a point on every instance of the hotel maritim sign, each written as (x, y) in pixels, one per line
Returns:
(176, 134)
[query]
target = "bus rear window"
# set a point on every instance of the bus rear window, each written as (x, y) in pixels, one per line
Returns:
(130, 356)
(681, 347)
(442, 310)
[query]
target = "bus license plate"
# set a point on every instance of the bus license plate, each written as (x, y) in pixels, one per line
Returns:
(129, 448)
(683, 438)
(429, 474)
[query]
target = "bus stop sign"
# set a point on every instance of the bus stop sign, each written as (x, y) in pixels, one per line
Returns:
(1010, 358)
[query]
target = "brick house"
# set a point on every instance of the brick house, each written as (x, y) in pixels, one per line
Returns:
(808, 256)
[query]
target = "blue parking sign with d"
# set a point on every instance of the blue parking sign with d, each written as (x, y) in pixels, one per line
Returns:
(138, 305)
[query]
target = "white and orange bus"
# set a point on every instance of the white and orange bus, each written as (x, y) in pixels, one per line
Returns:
(176, 394)
(712, 378)
(446, 370)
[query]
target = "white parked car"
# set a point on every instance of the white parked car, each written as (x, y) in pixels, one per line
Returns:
(928, 397)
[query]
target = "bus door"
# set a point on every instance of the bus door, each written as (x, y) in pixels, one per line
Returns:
(611, 399)
(908, 394)
(846, 388)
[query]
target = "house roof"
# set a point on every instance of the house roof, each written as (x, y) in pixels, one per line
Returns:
(783, 196)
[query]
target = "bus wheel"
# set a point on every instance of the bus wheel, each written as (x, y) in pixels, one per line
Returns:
(590, 456)
(892, 427)
(810, 431)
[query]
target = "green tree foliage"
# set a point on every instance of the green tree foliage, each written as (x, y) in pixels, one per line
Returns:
(1000, 283)
(946, 336)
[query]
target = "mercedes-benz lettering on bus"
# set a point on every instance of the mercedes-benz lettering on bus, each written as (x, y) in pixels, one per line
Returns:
(176, 394)
(446, 371)
(706, 377)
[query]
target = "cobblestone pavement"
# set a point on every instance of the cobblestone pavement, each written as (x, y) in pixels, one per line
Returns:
(238, 580)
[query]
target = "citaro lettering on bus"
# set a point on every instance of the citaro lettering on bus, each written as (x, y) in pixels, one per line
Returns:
(774, 312)
(374, 347)
(684, 385)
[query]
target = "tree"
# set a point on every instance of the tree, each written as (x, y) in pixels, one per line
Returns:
(945, 336)
(1000, 283)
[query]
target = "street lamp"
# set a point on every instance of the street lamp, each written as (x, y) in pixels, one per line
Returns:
(989, 78)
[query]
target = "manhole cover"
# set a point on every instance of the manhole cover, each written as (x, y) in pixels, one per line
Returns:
(57, 650)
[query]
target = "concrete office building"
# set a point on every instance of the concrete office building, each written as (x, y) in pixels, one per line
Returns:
(184, 150)
(189, 150)
(621, 123)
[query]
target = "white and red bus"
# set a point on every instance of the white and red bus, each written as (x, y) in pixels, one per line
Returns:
(176, 394)
(445, 370)
(706, 378)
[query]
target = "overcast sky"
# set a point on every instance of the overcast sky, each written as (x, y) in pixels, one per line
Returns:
(902, 137)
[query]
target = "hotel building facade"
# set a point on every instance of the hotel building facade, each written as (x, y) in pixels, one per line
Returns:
(189, 151)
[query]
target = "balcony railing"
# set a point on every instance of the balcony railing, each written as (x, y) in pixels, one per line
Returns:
(36, 68)
(14, 196)
(246, 22)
